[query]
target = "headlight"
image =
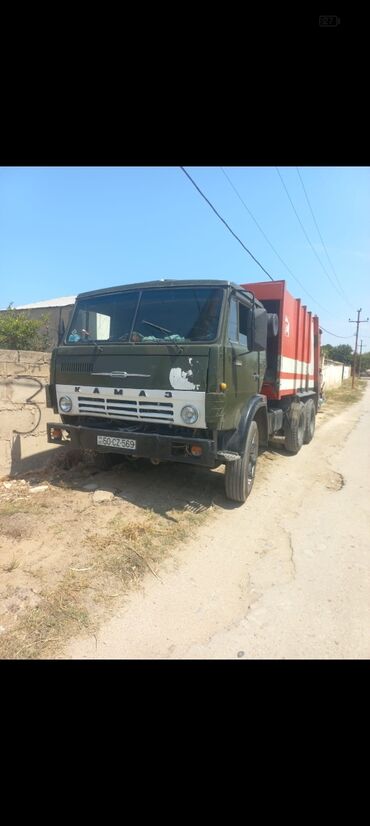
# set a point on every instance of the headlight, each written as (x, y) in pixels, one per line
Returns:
(189, 414)
(65, 404)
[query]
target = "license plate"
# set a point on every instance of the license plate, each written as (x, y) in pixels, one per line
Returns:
(113, 441)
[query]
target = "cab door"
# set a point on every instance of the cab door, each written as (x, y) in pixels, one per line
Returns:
(241, 364)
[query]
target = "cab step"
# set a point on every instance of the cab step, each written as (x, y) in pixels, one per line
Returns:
(227, 456)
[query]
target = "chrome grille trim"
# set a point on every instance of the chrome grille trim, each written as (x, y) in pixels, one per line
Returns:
(130, 404)
(126, 409)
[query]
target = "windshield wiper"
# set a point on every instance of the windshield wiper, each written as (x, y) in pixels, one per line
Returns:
(157, 326)
(92, 340)
(164, 329)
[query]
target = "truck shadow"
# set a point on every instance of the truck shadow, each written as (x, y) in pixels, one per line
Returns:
(159, 488)
(278, 449)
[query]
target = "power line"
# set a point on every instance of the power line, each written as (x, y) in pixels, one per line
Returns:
(226, 225)
(321, 238)
(246, 248)
(308, 239)
(334, 334)
(271, 245)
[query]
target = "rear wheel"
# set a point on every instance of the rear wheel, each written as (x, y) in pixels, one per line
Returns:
(294, 427)
(239, 475)
(310, 421)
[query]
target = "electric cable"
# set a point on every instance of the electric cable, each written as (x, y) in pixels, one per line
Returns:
(308, 239)
(226, 224)
(321, 238)
(271, 245)
(334, 334)
(246, 248)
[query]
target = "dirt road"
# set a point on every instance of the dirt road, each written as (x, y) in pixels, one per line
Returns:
(284, 576)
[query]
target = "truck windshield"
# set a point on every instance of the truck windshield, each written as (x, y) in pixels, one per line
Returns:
(180, 314)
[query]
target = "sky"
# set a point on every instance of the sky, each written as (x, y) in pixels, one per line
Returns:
(65, 230)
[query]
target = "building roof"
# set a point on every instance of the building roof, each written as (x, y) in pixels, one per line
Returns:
(52, 302)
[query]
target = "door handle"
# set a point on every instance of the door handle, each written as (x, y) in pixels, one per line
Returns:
(255, 376)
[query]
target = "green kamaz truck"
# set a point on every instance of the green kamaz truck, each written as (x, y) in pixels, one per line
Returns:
(200, 372)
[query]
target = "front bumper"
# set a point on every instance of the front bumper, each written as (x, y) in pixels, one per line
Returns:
(148, 445)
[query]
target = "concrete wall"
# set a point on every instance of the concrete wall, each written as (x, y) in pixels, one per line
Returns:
(334, 374)
(23, 444)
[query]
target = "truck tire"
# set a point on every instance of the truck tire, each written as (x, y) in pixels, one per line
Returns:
(239, 475)
(310, 421)
(294, 427)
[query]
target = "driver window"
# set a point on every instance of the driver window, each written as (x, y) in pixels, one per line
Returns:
(239, 323)
(233, 321)
(243, 325)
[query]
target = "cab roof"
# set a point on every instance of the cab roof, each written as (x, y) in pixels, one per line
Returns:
(162, 284)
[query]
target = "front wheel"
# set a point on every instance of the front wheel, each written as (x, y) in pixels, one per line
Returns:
(239, 475)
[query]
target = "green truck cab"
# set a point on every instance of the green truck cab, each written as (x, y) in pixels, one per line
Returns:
(167, 370)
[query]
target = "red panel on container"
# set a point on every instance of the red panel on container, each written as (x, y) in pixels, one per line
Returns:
(296, 328)
(290, 321)
(270, 290)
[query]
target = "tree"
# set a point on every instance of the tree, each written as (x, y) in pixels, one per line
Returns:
(343, 353)
(19, 332)
(365, 361)
(327, 351)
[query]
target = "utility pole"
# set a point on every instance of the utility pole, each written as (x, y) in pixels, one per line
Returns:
(359, 364)
(358, 322)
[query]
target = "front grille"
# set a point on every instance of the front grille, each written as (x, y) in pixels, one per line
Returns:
(126, 409)
(76, 367)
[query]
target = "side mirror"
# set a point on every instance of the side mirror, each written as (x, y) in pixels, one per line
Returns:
(272, 325)
(259, 329)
